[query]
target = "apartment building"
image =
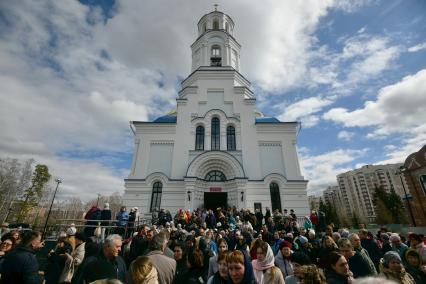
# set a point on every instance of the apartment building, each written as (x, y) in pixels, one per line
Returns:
(357, 188)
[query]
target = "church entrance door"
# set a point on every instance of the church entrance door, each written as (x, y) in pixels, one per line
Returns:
(213, 200)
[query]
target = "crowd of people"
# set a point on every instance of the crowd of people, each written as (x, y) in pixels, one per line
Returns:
(217, 246)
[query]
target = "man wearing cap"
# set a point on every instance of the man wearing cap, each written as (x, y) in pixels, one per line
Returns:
(398, 245)
(305, 247)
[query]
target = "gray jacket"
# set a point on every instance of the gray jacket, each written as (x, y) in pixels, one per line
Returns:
(166, 266)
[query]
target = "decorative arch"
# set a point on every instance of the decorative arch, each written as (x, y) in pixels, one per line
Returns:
(157, 176)
(220, 161)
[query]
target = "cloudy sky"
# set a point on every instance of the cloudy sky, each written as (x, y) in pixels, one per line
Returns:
(74, 73)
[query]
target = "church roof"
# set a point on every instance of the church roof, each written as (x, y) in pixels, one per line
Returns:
(173, 119)
(266, 119)
(166, 119)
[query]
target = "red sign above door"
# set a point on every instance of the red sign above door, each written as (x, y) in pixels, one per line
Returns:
(215, 189)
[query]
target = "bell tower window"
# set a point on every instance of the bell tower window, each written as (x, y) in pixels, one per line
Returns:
(215, 24)
(215, 59)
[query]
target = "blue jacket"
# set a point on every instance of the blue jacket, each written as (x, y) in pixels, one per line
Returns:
(20, 266)
(122, 218)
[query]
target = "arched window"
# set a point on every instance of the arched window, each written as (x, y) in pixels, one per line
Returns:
(423, 183)
(227, 27)
(215, 59)
(215, 24)
(230, 138)
(275, 196)
(215, 51)
(215, 134)
(215, 176)
(204, 27)
(199, 138)
(157, 189)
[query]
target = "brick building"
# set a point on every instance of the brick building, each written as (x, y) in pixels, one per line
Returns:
(415, 176)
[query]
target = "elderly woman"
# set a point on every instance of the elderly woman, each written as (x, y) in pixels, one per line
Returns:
(264, 269)
(414, 266)
(391, 268)
(282, 259)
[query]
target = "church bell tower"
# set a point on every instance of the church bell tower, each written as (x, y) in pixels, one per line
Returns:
(215, 45)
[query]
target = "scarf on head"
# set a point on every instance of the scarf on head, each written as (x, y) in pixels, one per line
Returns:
(259, 266)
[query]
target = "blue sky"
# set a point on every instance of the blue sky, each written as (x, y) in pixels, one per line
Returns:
(74, 74)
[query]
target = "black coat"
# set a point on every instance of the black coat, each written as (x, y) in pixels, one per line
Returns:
(101, 268)
(359, 266)
(334, 278)
(20, 266)
(106, 215)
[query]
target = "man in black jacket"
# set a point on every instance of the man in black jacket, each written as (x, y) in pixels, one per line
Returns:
(357, 264)
(21, 265)
(108, 264)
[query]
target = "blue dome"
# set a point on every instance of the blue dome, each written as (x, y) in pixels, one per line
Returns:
(166, 119)
(267, 120)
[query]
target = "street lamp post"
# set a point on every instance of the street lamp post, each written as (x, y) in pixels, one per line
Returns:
(58, 181)
(401, 170)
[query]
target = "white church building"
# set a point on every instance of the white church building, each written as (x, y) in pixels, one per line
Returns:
(215, 149)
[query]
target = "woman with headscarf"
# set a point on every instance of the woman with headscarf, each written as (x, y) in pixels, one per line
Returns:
(264, 268)
(416, 242)
(283, 259)
(414, 266)
(239, 268)
(391, 268)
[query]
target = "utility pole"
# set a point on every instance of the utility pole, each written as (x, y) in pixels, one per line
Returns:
(58, 181)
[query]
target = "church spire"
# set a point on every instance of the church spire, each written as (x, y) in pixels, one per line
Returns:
(216, 45)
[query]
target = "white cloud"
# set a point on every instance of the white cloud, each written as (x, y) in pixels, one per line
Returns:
(417, 47)
(364, 57)
(345, 135)
(304, 109)
(321, 170)
(69, 85)
(399, 108)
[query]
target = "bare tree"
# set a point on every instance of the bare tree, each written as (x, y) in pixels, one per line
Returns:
(15, 177)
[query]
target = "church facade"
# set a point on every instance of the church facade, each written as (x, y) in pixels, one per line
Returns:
(215, 149)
